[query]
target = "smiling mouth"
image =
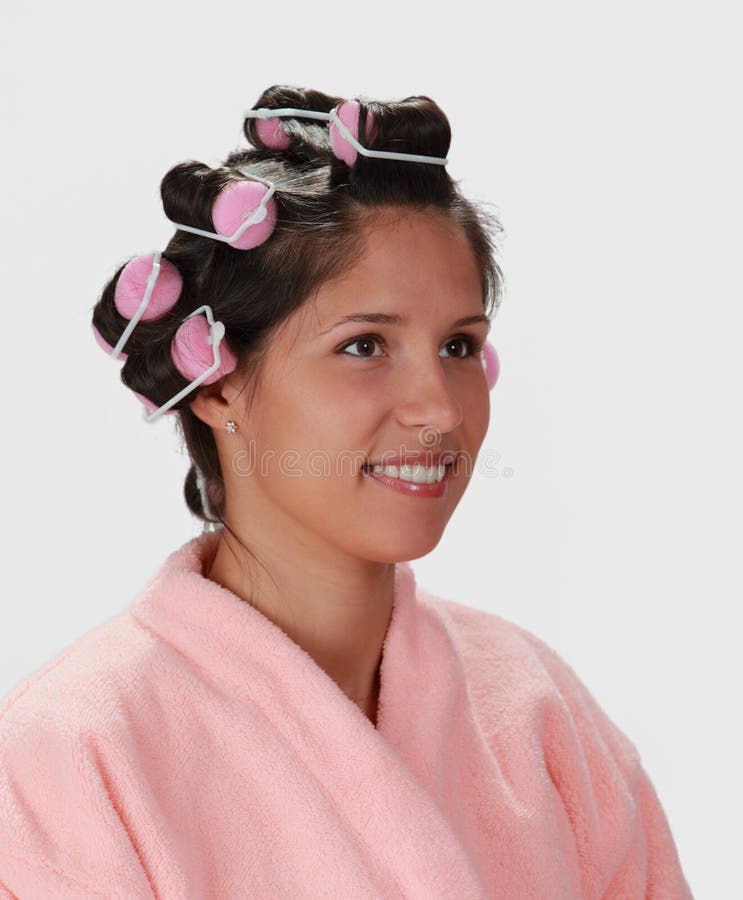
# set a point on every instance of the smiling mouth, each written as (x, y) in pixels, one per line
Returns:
(369, 467)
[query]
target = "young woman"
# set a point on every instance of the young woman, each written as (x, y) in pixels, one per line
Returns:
(283, 711)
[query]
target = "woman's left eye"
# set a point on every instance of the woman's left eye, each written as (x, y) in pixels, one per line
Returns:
(473, 345)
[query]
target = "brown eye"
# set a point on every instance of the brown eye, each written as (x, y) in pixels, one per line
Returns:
(365, 341)
(471, 346)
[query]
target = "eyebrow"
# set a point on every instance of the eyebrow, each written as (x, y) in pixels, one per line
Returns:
(396, 319)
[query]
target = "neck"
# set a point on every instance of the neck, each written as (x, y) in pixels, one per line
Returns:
(339, 616)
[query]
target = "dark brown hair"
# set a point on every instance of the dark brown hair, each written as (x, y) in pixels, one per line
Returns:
(323, 206)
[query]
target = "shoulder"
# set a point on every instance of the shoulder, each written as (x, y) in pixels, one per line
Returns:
(537, 717)
(505, 656)
(515, 676)
(55, 807)
(79, 687)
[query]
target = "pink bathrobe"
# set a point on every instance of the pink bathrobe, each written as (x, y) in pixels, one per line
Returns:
(188, 748)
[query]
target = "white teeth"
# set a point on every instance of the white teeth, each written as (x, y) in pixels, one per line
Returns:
(417, 473)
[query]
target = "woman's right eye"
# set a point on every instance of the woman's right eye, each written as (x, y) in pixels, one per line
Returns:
(366, 340)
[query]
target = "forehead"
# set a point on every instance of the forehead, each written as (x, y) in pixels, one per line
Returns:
(412, 262)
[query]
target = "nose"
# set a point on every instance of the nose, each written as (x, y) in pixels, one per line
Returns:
(426, 397)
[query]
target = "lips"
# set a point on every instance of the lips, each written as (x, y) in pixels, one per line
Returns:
(412, 488)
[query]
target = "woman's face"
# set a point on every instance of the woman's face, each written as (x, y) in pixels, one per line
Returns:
(328, 401)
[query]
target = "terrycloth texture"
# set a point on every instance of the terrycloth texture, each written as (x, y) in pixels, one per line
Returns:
(188, 748)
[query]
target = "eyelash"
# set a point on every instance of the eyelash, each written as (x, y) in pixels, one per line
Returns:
(475, 345)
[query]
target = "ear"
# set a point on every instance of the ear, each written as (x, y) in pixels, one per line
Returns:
(216, 403)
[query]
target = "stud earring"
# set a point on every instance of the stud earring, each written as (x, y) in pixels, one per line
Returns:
(231, 427)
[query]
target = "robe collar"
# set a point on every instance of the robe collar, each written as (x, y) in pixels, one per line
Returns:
(392, 777)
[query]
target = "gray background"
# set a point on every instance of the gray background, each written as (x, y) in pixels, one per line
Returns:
(608, 519)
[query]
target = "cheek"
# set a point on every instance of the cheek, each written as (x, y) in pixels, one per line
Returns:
(337, 412)
(475, 417)
(307, 424)
(481, 413)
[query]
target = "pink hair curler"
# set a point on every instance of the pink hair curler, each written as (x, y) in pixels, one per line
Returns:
(490, 363)
(198, 354)
(132, 284)
(193, 352)
(242, 202)
(244, 213)
(272, 134)
(344, 137)
(147, 287)
(348, 112)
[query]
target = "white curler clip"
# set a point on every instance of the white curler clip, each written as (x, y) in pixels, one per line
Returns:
(215, 338)
(382, 154)
(252, 218)
(265, 113)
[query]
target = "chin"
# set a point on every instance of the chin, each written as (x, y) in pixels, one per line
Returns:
(393, 547)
